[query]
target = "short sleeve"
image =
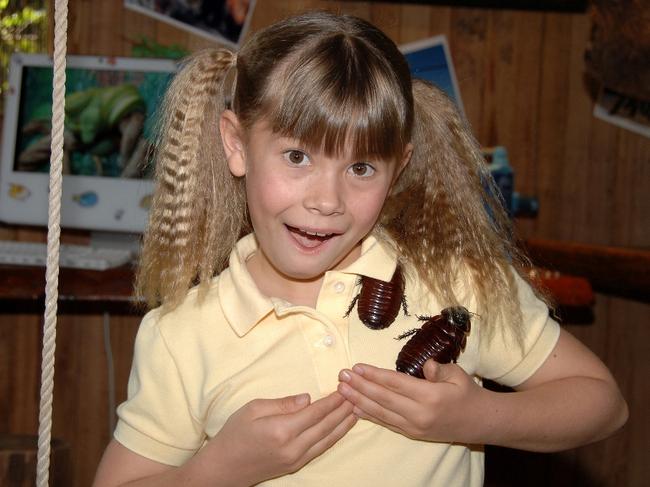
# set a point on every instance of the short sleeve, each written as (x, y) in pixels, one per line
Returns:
(502, 359)
(156, 421)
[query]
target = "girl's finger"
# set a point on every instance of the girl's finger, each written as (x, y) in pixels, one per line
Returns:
(398, 382)
(399, 401)
(329, 440)
(313, 414)
(363, 415)
(336, 421)
(392, 414)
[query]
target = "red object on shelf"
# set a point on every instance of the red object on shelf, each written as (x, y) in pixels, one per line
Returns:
(566, 290)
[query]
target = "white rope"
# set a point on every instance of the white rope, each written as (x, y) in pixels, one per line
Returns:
(53, 234)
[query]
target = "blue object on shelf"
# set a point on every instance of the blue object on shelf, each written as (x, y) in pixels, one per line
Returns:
(503, 174)
(524, 205)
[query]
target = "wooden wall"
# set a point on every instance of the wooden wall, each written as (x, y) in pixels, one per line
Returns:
(521, 79)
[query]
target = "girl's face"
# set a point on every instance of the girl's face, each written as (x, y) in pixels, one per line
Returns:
(309, 211)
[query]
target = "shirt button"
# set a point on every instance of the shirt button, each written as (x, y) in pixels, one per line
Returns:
(339, 287)
(328, 341)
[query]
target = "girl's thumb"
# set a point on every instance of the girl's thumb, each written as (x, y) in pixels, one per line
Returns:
(433, 371)
(291, 404)
(301, 400)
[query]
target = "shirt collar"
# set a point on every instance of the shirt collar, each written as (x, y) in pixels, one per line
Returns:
(243, 304)
(377, 260)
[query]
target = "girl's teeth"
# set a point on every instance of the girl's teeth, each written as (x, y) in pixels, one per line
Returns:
(316, 233)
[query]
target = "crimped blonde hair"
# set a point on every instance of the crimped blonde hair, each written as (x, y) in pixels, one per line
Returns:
(199, 210)
(327, 80)
(445, 217)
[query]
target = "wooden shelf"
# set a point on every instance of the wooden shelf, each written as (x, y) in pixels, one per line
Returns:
(611, 270)
(28, 283)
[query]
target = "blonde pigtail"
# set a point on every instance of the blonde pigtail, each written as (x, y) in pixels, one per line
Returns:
(198, 209)
(445, 218)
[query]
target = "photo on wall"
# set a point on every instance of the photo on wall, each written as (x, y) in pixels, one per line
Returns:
(430, 59)
(624, 111)
(225, 21)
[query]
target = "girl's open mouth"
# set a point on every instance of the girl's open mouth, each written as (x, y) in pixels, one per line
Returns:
(309, 239)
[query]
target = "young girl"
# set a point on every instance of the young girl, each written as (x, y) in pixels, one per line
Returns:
(288, 175)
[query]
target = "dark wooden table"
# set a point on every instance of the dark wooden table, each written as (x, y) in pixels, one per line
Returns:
(22, 290)
(24, 282)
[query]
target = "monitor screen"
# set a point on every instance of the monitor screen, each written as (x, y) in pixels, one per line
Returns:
(110, 117)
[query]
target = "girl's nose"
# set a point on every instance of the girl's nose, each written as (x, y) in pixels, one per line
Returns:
(324, 195)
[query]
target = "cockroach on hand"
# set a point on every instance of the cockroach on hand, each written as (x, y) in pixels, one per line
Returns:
(441, 338)
(379, 301)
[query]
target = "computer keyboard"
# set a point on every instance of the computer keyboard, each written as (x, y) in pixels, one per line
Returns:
(73, 256)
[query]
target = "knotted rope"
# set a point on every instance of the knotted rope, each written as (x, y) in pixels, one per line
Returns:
(53, 234)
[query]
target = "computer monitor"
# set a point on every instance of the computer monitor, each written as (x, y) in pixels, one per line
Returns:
(111, 106)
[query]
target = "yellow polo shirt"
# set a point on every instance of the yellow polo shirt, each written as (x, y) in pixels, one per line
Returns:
(198, 364)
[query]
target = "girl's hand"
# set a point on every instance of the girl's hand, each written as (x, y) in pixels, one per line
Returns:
(445, 407)
(271, 437)
(571, 400)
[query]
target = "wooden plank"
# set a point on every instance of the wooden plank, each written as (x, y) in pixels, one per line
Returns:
(596, 225)
(440, 23)
(168, 34)
(80, 381)
(19, 372)
(268, 12)
(136, 28)
(630, 191)
(553, 99)
(631, 345)
(387, 17)
(414, 23)
(520, 135)
(623, 351)
(522, 140)
(101, 36)
(358, 9)
(576, 137)
(498, 66)
(469, 30)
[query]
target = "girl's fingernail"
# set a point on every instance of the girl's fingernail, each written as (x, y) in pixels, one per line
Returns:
(344, 389)
(358, 369)
(302, 399)
(345, 376)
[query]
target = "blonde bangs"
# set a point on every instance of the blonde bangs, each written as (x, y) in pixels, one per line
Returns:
(334, 96)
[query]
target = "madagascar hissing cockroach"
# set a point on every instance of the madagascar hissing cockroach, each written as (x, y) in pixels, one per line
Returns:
(441, 338)
(379, 301)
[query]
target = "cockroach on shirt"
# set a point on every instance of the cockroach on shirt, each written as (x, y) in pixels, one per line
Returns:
(379, 301)
(441, 338)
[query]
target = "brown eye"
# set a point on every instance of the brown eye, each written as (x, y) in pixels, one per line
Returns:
(296, 157)
(362, 169)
